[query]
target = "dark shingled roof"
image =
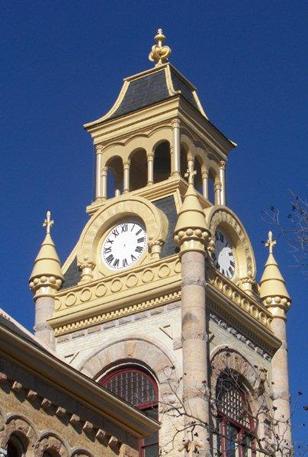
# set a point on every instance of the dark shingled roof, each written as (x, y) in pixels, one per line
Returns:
(72, 276)
(152, 88)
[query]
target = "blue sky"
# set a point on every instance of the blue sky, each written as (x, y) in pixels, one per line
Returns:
(62, 65)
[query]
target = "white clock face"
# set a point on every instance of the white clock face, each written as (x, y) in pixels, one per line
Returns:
(124, 245)
(223, 256)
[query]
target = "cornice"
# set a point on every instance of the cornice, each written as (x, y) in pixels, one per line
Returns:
(73, 383)
(121, 294)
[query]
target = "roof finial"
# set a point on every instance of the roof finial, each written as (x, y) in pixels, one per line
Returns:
(270, 243)
(48, 222)
(159, 53)
(190, 174)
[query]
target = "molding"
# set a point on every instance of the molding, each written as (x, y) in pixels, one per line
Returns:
(75, 385)
(111, 315)
(240, 336)
(119, 294)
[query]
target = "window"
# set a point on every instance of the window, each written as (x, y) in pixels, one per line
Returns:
(15, 447)
(235, 422)
(139, 388)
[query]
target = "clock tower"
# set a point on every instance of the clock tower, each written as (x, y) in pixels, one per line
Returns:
(159, 301)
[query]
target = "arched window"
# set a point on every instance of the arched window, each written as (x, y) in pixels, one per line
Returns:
(235, 423)
(183, 161)
(16, 447)
(114, 176)
(138, 169)
(138, 387)
(211, 187)
(162, 162)
(198, 176)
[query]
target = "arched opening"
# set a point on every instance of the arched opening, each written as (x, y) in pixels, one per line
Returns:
(162, 162)
(137, 386)
(236, 426)
(211, 186)
(16, 446)
(114, 176)
(138, 169)
(183, 161)
(50, 453)
(198, 175)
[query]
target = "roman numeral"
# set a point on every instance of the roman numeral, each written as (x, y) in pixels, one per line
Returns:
(107, 250)
(138, 249)
(232, 263)
(124, 263)
(132, 227)
(140, 240)
(133, 257)
(139, 231)
(110, 241)
(110, 258)
(115, 232)
(116, 263)
(124, 227)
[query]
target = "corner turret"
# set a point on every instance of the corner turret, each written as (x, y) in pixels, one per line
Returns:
(45, 280)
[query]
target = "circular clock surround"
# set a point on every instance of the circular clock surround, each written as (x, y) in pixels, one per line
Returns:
(124, 245)
(223, 257)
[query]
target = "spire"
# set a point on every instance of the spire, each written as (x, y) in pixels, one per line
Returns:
(273, 289)
(47, 267)
(159, 53)
(191, 226)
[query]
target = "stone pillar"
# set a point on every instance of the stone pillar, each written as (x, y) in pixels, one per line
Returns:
(195, 342)
(222, 182)
(217, 188)
(205, 184)
(126, 177)
(150, 158)
(280, 380)
(274, 294)
(192, 235)
(44, 289)
(98, 187)
(176, 147)
(44, 308)
(104, 182)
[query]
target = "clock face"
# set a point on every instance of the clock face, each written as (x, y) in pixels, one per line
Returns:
(124, 245)
(223, 256)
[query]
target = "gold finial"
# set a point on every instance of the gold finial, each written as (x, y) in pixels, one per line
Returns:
(190, 174)
(48, 222)
(159, 53)
(270, 243)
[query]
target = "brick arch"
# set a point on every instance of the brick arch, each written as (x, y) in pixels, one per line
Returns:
(49, 441)
(81, 453)
(229, 358)
(22, 427)
(225, 357)
(146, 352)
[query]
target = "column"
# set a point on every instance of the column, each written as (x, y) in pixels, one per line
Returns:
(205, 184)
(194, 339)
(98, 187)
(104, 182)
(217, 188)
(44, 309)
(126, 177)
(280, 381)
(176, 156)
(222, 165)
(150, 158)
